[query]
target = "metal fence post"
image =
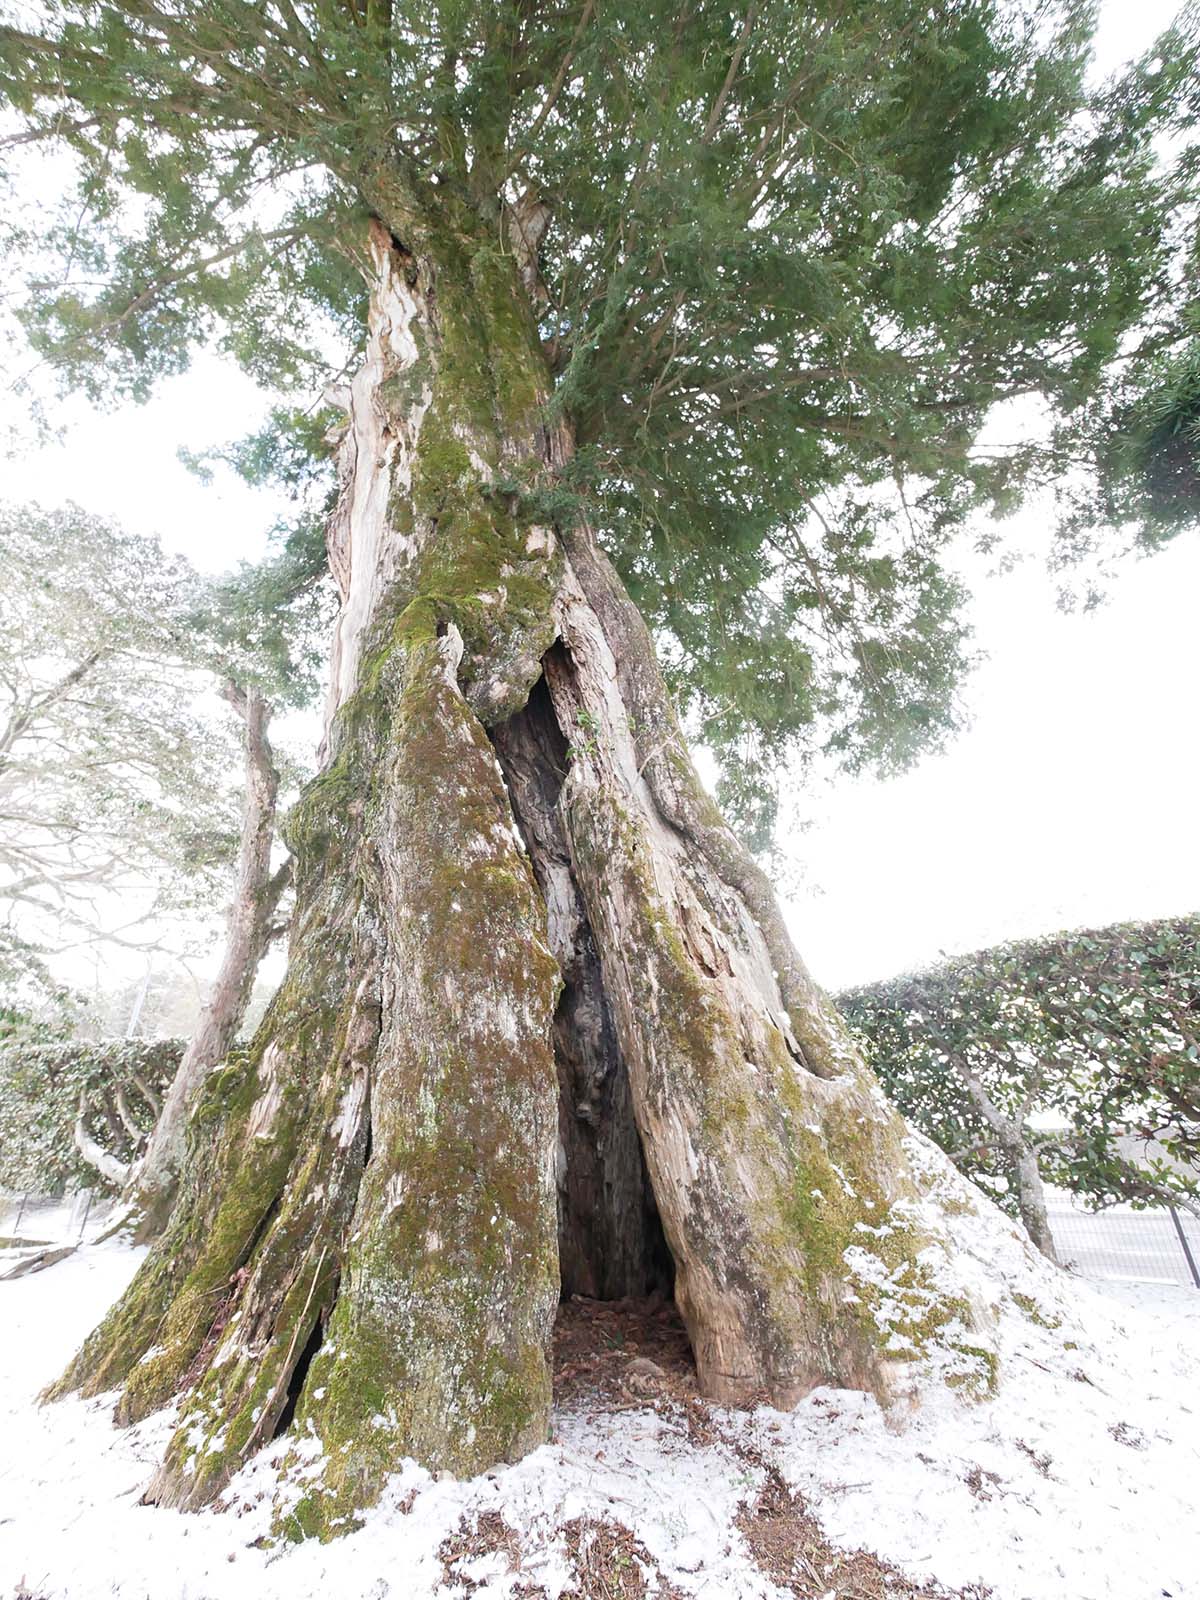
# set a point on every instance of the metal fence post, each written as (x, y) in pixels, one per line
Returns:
(86, 1213)
(1185, 1246)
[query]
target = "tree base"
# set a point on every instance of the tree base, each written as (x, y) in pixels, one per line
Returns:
(542, 1029)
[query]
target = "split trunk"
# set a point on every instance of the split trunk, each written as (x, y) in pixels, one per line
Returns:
(542, 1031)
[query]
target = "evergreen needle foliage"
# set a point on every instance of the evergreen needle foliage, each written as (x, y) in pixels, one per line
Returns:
(796, 254)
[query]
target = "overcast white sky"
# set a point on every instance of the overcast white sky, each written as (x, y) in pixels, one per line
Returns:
(1072, 798)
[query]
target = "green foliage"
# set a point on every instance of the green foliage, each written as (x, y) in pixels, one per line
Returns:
(1100, 1028)
(275, 615)
(41, 1082)
(34, 1004)
(1136, 437)
(1149, 442)
(291, 450)
(1165, 445)
(797, 255)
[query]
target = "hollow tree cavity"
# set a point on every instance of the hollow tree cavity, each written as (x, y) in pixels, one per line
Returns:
(610, 1238)
(542, 1028)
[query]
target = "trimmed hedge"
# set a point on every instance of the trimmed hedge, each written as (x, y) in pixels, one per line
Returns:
(1100, 1028)
(40, 1088)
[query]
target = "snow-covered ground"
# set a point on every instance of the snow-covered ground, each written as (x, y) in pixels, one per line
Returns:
(1079, 1481)
(54, 1220)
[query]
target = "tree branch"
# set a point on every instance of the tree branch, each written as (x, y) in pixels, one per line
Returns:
(714, 116)
(109, 1168)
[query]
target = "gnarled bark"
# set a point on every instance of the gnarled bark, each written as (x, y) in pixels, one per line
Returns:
(542, 1026)
(610, 1237)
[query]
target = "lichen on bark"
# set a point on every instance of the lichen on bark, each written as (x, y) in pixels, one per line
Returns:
(417, 1011)
(437, 1347)
(366, 1248)
(772, 1179)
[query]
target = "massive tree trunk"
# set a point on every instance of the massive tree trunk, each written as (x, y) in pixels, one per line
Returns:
(151, 1183)
(542, 1030)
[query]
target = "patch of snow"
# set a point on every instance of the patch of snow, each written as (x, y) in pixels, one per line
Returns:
(1092, 1438)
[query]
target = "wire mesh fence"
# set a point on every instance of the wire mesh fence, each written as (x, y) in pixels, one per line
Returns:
(1161, 1245)
(30, 1220)
(1120, 1244)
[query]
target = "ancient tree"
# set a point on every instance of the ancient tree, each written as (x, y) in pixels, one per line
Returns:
(671, 323)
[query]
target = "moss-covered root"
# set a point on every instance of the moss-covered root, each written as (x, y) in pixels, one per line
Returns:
(785, 1198)
(243, 1139)
(438, 1345)
(138, 1343)
(285, 1291)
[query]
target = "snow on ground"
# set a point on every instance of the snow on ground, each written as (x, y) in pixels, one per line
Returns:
(1080, 1480)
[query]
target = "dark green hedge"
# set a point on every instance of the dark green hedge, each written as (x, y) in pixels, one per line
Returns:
(40, 1086)
(1101, 1029)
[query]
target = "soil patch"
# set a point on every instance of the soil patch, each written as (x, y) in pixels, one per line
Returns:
(633, 1352)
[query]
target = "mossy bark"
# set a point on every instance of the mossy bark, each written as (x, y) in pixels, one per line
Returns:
(542, 1026)
(610, 1237)
(776, 1163)
(380, 1177)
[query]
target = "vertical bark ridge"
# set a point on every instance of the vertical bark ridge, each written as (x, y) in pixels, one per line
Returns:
(243, 1137)
(765, 1173)
(438, 1344)
(815, 1034)
(402, 1306)
(289, 1284)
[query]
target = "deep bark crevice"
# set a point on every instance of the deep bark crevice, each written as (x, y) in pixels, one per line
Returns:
(298, 1369)
(299, 1374)
(562, 968)
(368, 1137)
(611, 1240)
(264, 1225)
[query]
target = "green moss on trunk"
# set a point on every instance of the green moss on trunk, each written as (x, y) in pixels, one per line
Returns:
(787, 1199)
(418, 1005)
(437, 1347)
(365, 1246)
